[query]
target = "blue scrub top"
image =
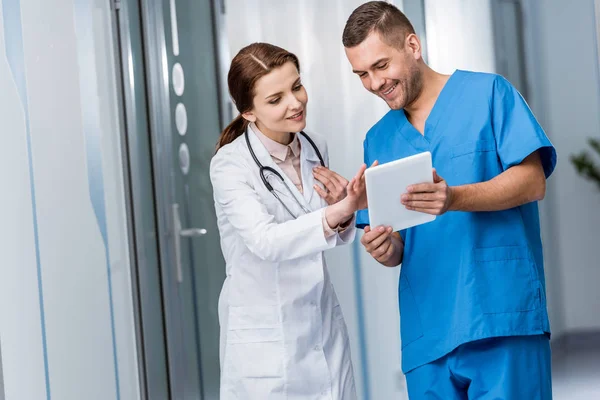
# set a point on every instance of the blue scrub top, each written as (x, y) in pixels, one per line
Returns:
(468, 275)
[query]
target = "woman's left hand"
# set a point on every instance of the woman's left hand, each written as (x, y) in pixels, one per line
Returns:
(357, 190)
(334, 183)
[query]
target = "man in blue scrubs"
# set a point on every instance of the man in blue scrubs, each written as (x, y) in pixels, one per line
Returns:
(472, 295)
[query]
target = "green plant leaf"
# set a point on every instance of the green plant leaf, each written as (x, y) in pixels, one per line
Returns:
(585, 165)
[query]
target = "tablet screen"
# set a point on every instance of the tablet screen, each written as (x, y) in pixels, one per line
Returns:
(386, 184)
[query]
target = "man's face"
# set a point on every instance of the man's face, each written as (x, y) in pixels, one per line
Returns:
(390, 73)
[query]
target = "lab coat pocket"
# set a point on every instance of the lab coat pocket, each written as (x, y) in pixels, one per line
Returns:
(505, 279)
(411, 327)
(255, 342)
(257, 359)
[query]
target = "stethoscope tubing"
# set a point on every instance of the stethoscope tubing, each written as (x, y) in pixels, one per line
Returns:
(262, 170)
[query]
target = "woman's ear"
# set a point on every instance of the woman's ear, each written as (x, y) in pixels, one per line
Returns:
(249, 116)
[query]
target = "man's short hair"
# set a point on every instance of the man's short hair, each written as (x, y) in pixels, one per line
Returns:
(377, 16)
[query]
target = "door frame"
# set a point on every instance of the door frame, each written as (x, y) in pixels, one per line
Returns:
(140, 203)
(144, 77)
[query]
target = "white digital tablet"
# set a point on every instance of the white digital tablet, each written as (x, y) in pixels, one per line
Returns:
(387, 183)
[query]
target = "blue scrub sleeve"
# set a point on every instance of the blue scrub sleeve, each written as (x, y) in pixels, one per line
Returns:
(517, 132)
(362, 216)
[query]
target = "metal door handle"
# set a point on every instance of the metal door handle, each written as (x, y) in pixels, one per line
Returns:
(178, 233)
(193, 232)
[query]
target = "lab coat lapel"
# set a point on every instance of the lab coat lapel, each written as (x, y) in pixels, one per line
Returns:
(308, 161)
(291, 199)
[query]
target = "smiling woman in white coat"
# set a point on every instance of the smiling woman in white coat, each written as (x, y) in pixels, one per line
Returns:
(279, 207)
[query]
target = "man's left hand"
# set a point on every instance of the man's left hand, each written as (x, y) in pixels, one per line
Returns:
(430, 198)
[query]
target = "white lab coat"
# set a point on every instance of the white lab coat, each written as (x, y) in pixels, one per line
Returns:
(283, 335)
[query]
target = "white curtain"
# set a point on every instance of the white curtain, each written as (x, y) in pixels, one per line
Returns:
(459, 35)
(342, 110)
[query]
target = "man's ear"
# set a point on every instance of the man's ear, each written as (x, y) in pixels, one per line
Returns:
(413, 44)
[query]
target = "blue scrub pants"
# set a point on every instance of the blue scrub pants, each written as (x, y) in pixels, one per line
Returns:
(504, 368)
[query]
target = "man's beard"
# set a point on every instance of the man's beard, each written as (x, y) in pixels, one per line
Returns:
(411, 89)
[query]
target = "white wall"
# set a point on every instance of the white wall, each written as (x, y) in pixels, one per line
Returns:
(459, 35)
(65, 327)
(536, 78)
(566, 85)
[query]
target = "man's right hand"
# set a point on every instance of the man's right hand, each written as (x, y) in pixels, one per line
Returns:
(383, 245)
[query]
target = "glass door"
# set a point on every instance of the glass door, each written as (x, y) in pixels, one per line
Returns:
(185, 122)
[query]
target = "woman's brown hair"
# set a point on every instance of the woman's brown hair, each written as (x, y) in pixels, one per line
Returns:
(249, 65)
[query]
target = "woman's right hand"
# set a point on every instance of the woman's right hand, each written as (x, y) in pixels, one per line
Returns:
(335, 185)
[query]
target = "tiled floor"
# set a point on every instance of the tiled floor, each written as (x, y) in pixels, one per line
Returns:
(576, 375)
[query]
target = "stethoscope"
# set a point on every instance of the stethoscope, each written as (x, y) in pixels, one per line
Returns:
(264, 169)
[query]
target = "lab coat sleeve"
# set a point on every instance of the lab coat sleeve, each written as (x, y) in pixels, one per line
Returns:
(347, 236)
(517, 132)
(241, 204)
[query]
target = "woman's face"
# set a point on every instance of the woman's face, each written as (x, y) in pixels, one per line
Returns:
(279, 102)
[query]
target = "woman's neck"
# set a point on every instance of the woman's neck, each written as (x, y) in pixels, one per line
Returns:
(284, 138)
